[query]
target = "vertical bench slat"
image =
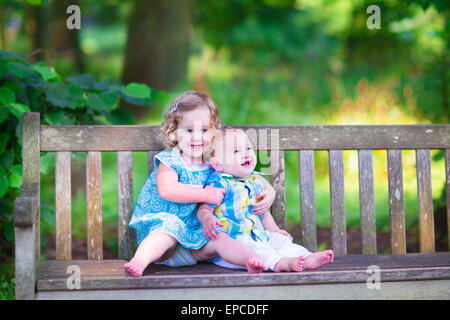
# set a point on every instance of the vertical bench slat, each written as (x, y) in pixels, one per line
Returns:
(396, 205)
(94, 205)
(367, 202)
(307, 200)
(447, 175)
(425, 200)
(277, 180)
(125, 203)
(337, 202)
(63, 206)
(151, 155)
(27, 240)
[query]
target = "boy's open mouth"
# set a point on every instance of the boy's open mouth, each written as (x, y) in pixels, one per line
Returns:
(246, 163)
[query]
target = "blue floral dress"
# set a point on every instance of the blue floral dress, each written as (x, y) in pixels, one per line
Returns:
(153, 213)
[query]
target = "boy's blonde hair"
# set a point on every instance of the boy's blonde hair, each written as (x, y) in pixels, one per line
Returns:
(184, 102)
(220, 138)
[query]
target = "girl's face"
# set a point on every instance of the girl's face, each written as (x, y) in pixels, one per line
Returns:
(194, 134)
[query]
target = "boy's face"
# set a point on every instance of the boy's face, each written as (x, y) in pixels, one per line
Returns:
(234, 155)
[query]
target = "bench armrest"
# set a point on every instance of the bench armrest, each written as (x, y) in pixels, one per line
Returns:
(27, 205)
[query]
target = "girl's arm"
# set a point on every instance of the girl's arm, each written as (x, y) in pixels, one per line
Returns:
(269, 224)
(208, 220)
(267, 195)
(170, 189)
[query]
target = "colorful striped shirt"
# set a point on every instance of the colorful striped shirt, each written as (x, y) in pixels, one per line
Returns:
(236, 210)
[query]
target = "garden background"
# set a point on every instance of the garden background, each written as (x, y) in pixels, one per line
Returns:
(277, 62)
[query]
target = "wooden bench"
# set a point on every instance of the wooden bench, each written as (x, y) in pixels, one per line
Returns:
(400, 274)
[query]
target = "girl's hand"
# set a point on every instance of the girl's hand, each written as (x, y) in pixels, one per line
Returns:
(267, 196)
(214, 195)
(209, 226)
(284, 232)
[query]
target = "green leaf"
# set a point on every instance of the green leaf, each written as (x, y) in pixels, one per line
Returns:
(101, 101)
(7, 96)
(48, 162)
(21, 70)
(109, 84)
(14, 86)
(35, 2)
(18, 109)
(3, 69)
(45, 72)
(9, 55)
(163, 98)
(137, 90)
(84, 81)
(4, 183)
(4, 138)
(64, 95)
(120, 116)
(4, 113)
(59, 117)
(15, 178)
(7, 159)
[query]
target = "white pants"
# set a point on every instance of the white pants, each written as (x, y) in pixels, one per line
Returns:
(271, 251)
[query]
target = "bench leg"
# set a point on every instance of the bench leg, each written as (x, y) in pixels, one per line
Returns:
(25, 263)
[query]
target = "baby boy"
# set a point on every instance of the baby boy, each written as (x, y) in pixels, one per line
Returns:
(234, 161)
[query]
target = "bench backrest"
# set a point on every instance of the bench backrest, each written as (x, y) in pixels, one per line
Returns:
(304, 139)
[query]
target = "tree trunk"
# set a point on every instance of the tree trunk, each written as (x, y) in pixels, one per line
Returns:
(157, 47)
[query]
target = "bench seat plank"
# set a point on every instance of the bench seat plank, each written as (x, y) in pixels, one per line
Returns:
(109, 274)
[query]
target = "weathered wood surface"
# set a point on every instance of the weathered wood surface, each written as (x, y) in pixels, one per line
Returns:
(396, 203)
(307, 200)
(367, 202)
(150, 161)
(277, 180)
(109, 274)
(63, 205)
(125, 203)
(447, 179)
(27, 210)
(94, 205)
(425, 200)
(392, 290)
(337, 203)
(344, 137)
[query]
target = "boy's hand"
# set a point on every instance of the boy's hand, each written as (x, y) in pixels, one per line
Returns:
(209, 226)
(267, 197)
(214, 195)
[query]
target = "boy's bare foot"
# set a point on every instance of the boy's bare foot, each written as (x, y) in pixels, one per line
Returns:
(256, 265)
(134, 268)
(290, 264)
(317, 259)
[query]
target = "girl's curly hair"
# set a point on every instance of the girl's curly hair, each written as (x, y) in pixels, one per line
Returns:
(186, 101)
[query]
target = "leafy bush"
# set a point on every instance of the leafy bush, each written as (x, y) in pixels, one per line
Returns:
(80, 99)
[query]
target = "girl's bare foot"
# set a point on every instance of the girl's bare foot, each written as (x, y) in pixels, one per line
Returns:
(288, 264)
(256, 265)
(317, 259)
(134, 268)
